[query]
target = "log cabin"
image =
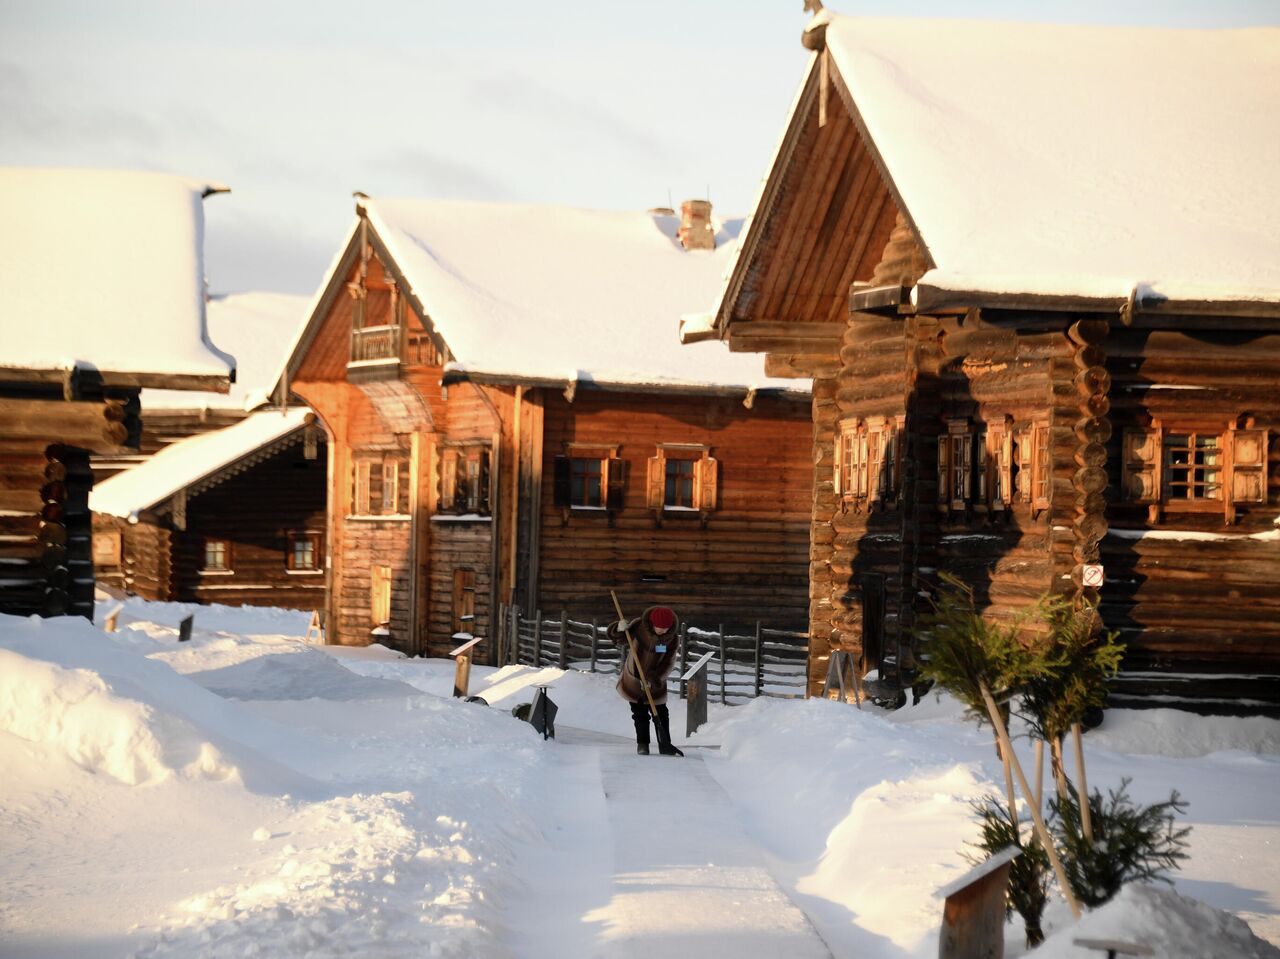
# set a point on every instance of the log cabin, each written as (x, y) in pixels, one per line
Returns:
(220, 503)
(101, 295)
(1038, 296)
(512, 420)
(233, 516)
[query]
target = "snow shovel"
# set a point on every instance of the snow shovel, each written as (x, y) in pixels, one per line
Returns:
(631, 644)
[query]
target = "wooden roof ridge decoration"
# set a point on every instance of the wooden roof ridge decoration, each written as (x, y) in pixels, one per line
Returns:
(208, 471)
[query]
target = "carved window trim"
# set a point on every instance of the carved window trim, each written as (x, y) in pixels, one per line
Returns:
(867, 465)
(704, 480)
(1160, 459)
(463, 478)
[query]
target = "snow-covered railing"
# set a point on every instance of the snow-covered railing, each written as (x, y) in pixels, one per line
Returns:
(764, 662)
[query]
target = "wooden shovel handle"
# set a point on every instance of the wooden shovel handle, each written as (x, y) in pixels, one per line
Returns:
(631, 644)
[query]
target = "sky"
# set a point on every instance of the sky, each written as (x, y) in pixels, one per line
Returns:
(296, 105)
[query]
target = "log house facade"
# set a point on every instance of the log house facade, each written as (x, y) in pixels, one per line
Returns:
(1013, 439)
(452, 490)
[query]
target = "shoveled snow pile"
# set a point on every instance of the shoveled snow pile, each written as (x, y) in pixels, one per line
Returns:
(1172, 926)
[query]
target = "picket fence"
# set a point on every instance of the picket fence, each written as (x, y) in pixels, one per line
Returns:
(765, 662)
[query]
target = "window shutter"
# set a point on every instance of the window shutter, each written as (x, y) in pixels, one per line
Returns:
(483, 492)
(876, 438)
(655, 482)
(563, 483)
(1142, 456)
(390, 486)
(362, 488)
(1248, 466)
(944, 469)
(707, 494)
(1000, 457)
(616, 472)
(1024, 466)
(1041, 471)
(982, 467)
(448, 479)
(837, 464)
(961, 466)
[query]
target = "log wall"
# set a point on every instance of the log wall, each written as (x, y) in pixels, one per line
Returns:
(747, 563)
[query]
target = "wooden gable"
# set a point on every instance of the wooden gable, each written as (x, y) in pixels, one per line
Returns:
(826, 221)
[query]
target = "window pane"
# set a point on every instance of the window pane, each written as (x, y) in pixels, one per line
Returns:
(679, 485)
(584, 477)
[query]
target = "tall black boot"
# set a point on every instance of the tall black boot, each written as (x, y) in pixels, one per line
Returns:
(640, 717)
(663, 725)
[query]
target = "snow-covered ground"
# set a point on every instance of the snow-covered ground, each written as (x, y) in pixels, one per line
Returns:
(248, 794)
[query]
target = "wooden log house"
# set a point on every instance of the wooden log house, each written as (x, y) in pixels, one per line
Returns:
(512, 420)
(1038, 294)
(233, 516)
(220, 503)
(101, 295)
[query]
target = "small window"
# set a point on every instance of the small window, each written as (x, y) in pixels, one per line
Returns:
(361, 484)
(866, 459)
(678, 491)
(304, 551)
(217, 556)
(586, 482)
(683, 478)
(464, 600)
(380, 596)
(464, 480)
(1190, 468)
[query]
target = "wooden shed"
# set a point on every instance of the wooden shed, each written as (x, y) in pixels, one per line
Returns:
(513, 420)
(1039, 299)
(234, 516)
(101, 295)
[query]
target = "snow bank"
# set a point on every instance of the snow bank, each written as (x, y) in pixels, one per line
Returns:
(1172, 732)
(1173, 926)
(68, 686)
(80, 715)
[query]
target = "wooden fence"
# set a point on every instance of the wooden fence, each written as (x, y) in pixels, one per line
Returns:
(764, 662)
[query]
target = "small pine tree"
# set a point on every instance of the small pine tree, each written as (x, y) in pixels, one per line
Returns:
(1083, 658)
(1028, 874)
(961, 651)
(1131, 843)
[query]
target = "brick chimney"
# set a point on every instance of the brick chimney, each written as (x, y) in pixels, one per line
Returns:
(696, 231)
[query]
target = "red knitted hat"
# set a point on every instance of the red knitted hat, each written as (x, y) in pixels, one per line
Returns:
(662, 618)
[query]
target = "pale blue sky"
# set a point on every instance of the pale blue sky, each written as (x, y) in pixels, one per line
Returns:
(295, 105)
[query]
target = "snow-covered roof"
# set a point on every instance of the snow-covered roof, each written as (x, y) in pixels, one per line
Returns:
(189, 461)
(1078, 160)
(255, 329)
(103, 270)
(560, 294)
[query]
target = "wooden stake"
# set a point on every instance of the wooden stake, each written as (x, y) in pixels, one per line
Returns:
(1041, 830)
(631, 644)
(1082, 786)
(1040, 774)
(1008, 785)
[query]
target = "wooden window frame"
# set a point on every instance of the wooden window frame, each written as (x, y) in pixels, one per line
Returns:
(464, 479)
(1041, 465)
(316, 539)
(464, 600)
(361, 501)
(705, 493)
(613, 472)
(867, 461)
(999, 452)
(390, 502)
(1146, 466)
(227, 565)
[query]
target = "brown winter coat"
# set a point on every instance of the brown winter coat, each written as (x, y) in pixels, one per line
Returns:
(657, 665)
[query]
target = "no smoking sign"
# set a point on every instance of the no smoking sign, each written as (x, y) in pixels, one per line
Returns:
(1092, 576)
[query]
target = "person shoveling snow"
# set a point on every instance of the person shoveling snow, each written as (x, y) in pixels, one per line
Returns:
(649, 650)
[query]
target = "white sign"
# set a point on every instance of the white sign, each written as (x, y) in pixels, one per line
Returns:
(1093, 575)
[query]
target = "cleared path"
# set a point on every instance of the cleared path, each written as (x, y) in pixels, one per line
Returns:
(656, 865)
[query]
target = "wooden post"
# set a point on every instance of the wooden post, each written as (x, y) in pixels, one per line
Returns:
(109, 624)
(695, 681)
(537, 639)
(973, 910)
(594, 630)
(563, 661)
(462, 671)
(1040, 774)
(184, 628)
(1082, 787)
(724, 698)
(759, 659)
(684, 656)
(1041, 831)
(514, 626)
